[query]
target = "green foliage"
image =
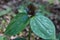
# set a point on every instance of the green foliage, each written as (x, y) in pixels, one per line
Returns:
(51, 1)
(17, 24)
(22, 9)
(42, 9)
(3, 38)
(42, 27)
(58, 36)
(3, 12)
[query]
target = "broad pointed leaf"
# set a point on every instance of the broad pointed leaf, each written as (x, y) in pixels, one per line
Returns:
(42, 27)
(17, 24)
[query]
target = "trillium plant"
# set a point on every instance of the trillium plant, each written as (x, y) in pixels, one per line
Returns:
(39, 24)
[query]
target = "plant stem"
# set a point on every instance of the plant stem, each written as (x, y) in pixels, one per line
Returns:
(29, 34)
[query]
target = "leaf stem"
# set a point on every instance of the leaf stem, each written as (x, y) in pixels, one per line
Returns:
(29, 35)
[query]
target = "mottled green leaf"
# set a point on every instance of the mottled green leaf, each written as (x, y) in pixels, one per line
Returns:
(42, 27)
(17, 24)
